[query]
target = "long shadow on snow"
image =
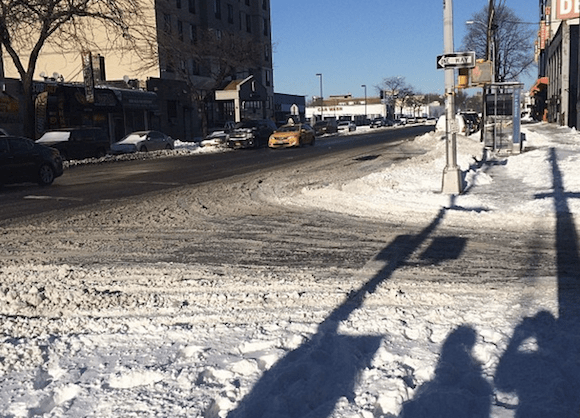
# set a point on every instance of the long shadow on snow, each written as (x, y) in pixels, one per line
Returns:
(542, 362)
(308, 381)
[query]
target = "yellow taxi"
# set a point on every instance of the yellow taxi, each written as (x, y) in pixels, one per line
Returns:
(292, 135)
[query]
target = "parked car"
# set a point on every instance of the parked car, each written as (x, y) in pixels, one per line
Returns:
(461, 124)
(22, 160)
(328, 126)
(473, 121)
(77, 143)
(346, 125)
(219, 137)
(378, 123)
(142, 141)
(251, 133)
(292, 135)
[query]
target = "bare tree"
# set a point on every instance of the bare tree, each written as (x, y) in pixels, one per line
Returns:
(397, 90)
(512, 41)
(27, 27)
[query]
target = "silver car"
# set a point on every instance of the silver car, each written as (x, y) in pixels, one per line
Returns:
(142, 141)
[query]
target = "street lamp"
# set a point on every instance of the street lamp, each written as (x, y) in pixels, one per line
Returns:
(365, 87)
(321, 97)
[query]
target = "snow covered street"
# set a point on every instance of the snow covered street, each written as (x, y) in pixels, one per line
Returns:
(333, 291)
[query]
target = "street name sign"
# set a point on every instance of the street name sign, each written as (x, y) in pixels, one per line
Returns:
(456, 60)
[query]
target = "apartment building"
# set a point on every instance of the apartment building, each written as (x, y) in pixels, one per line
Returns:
(180, 78)
(556, 93)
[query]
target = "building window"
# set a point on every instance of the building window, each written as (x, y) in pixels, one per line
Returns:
(218, 9)
(248, 23)
(178, 4)
(191, 6)
(230, 14)
(247, 2)
(195, 68)
(268, 81)
(193, 34)
(265, 4)
(166, 23)
(180, 30)
(266, 27)
(171, 111)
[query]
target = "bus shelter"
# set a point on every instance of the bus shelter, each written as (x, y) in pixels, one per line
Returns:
(502, 117)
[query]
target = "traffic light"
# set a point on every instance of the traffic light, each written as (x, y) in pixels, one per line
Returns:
(463, 78)
(482, 73)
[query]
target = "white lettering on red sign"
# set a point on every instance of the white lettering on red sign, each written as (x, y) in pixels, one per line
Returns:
(568, 9)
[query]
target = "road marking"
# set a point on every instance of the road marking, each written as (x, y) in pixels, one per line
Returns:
(33, 197)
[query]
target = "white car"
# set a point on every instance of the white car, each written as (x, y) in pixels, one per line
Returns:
(219, 137)
(460, 121)
(346, 125)
(142, 141)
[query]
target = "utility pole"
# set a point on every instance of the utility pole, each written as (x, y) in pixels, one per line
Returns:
(452, 178)
(321, 98)
(490, 47)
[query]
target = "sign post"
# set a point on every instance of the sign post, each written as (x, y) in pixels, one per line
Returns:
(452, 178)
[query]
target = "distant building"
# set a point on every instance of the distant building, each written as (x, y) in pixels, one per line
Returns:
(175, 113)
(289, 106)
(347, 107)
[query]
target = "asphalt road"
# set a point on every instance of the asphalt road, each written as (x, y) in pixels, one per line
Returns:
(99, 183)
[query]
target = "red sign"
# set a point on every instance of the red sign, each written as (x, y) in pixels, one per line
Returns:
(567, 9)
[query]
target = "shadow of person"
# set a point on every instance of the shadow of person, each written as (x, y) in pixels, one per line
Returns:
(542, 361)
(309, 381)
(458, 388)
(537, 366)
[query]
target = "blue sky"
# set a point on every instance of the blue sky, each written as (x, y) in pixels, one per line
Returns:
(356, 42)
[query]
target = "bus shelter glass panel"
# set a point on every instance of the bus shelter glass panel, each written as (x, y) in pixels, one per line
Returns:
(501, 117)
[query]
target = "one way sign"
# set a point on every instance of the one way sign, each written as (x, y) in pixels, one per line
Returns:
(456, 60)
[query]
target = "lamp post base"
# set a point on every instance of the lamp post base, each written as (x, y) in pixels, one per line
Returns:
(452, 181)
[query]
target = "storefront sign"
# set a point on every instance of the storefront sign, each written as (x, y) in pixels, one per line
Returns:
(568, 9)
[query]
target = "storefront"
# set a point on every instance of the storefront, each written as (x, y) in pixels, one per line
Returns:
(117, 111)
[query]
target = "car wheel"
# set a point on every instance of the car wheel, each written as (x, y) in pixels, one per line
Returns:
(143, 149)
(45, 175)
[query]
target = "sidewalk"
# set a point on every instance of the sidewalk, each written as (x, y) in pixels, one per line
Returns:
(502, 192)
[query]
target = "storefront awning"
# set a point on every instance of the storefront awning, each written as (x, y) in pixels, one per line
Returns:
(540, 84)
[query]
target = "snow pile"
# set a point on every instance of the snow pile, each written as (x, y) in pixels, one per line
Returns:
(509, 198)
(411, 334)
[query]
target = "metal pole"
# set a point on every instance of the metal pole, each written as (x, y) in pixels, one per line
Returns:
(321, 98)
(365, 87)
(452, 178)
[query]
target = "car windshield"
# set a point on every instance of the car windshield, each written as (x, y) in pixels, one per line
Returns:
(55, 136)
(134, 137)
(247, 124)
(289, 128)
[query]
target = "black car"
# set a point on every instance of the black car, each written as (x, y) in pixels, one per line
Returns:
(22, 160)
(251, 133)
(329, 126)
(77, 143)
